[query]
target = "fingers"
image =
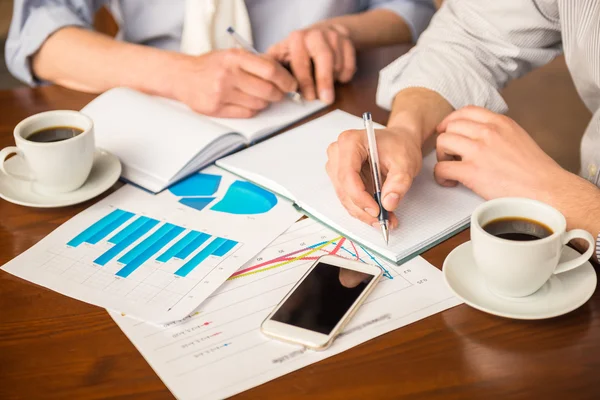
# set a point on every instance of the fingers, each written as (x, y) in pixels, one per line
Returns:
(353, 154)
(468, 128)
(349, 60)
(345, 160)
(449, 173)
(323, 57)
(341, 178)
(267, 69)
(245, 100)
(301, 65)
(335, 43)
(472, 113)
(395, 187)
(450, 145)
(257, 87)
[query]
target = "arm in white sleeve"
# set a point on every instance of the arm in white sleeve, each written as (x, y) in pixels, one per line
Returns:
(472, 49)
(416, 13)
(34, 21)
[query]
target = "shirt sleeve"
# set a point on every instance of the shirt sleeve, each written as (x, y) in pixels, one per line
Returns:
(416, 13)
(34, 21)
(472, 49)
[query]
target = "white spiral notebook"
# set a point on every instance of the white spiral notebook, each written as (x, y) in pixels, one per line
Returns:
(160, 141)
(293, 165)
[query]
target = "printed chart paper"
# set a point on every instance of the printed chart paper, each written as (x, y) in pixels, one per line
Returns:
(219, 351)
(158, 257)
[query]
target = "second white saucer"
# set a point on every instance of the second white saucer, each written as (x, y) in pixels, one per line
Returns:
(105, 172)
(561, 294)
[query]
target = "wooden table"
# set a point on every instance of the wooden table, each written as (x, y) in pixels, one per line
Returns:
(52, 346)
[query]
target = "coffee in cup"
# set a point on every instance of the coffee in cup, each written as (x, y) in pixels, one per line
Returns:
(517, 244)
(58, 149)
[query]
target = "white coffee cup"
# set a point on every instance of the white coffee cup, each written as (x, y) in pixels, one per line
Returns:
(55, 167)
(519, 268)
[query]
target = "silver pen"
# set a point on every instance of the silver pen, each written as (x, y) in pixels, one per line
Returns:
(295, 96)
(374, 157)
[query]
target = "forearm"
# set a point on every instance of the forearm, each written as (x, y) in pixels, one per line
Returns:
(373, 28)
(579, 201)
(92, 62)
(417, 111)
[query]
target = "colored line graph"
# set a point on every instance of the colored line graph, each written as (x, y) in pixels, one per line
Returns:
(308, 253)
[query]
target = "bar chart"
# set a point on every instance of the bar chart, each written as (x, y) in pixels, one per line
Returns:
(136, 240)
(150, 256)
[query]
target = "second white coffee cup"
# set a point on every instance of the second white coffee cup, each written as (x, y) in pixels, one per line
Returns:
(515, 268)
(55, 167)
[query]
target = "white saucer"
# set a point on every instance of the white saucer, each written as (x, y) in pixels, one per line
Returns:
(561, 294)
(105, 172)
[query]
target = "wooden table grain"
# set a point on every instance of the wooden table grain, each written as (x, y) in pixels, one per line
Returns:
(52, 346)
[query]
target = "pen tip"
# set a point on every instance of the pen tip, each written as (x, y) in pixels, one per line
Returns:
(367, 116)
(229, 29)
(295, 96)
(386, 233)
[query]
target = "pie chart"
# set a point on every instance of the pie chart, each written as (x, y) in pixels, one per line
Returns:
(241, 198)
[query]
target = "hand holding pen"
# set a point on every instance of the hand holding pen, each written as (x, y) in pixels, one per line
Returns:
(293, 95)
(349, 169)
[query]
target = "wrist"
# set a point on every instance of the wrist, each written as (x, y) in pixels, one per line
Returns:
(169, 67)
(577, 199)
(406, 124)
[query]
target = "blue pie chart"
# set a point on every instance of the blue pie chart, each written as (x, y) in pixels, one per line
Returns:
(241, 198)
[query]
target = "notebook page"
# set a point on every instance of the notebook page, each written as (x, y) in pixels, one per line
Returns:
(296, 160)
(277, 116)
(150, 134)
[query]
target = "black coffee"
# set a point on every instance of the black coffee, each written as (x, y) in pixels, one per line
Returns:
(520, 229)
(54, 134)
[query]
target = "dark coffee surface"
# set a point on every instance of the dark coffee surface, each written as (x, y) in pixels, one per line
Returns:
(519, 229)
(54, 134)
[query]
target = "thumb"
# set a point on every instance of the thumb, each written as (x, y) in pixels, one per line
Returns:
(394, 188)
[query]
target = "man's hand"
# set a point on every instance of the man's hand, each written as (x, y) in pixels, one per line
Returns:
(329, 48)
(231, 83)
(493, 156)
(400, 160)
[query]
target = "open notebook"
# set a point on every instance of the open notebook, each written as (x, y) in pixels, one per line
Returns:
(159, 141)
(293, 165)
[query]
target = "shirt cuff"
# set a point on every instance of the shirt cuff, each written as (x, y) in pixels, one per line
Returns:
(416, 14)
(40, 24)
(458, 84)
(598, 249)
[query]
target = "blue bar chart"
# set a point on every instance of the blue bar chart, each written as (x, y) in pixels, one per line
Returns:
(135, 240)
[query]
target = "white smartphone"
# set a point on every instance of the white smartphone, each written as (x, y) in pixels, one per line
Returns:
(318, 307)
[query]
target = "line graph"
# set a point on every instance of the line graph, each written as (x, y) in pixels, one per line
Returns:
(341, 247)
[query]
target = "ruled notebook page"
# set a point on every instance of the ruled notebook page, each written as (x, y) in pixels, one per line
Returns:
(296, 160)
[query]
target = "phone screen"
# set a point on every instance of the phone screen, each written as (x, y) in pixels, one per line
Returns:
(323, 297)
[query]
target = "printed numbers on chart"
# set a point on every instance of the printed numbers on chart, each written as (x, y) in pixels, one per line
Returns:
(303, 244)
(281, 251)
(259, 259)
(406, 271)
(420, 281)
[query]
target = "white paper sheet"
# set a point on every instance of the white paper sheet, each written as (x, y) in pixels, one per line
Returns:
(158, 257)
(219, 351)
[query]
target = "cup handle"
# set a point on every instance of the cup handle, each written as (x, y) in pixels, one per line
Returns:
(571, 264)
(7, 151)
